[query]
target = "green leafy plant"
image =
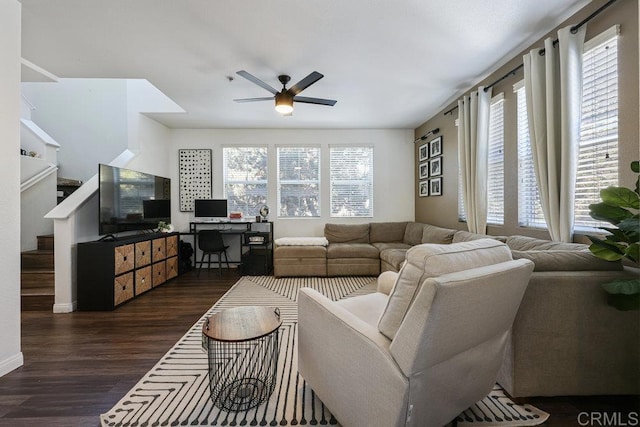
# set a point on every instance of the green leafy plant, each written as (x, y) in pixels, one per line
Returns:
(619, 207)
(163, 226)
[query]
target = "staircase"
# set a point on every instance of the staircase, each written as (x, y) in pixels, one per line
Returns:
(37, 276)
(67, 186)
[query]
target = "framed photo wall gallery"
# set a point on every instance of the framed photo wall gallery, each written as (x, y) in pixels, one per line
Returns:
(430, 168)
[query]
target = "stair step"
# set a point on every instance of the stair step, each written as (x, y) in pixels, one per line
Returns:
(37, 302)
(30, 279)
(45, 243)
(37, 259)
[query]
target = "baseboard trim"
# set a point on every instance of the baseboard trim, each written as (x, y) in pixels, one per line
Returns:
(64, 308)
(10, 364)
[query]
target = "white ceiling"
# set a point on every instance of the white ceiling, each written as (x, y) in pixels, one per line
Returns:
(390, 64)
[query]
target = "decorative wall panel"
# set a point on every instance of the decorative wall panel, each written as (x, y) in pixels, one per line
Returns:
(195, 176)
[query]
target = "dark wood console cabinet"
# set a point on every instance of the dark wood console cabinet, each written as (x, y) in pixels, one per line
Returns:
(115, 271)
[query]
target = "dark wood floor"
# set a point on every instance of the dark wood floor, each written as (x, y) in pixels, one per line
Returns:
(78, 365)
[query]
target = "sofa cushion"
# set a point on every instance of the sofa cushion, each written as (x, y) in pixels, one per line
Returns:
(352, 250)
(524, 243)
(413, 233)
(302, 241)
(347, 233)
(393, 257)
(384, 246)
(433, 260)
(300, 252)
(563, 260)
(433, 234)
(365, 307)
(466, 236)
(384, 232)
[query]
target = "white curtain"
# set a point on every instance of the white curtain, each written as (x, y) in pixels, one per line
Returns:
(473, 152)
(553, 84)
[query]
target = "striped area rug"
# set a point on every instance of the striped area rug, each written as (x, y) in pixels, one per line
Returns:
(175, 392)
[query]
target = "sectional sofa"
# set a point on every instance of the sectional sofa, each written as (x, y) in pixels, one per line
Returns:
(565, 340)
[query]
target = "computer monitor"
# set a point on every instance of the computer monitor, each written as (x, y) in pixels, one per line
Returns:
(210, 208)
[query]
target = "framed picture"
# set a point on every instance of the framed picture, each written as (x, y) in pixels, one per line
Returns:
(435, 166)
(435, 147)
(424, 170)
(423, 188)
(435, 186)
(195, 176)
(423, 152)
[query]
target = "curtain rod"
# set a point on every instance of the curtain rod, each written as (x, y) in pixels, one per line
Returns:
(426, 135)
(574, 30)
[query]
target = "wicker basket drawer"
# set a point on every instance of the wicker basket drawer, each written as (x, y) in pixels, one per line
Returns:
(144, 279)
(159, 270)
(172, 246)
(159, 247)
(172, 267)
(143, 253)
(123, 288)
(123, 259)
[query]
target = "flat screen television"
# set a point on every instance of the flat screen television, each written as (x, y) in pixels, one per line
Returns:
(130, 200)
(210, 208)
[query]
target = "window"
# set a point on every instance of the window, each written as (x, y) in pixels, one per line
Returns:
(529, 208)
(598, 161)
(245, 179)
(299, 181)
(351, 174)
(462, 215)
(495, 171)
(598, 154)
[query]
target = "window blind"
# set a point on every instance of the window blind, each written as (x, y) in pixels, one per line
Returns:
(351, 181)
(495, 170)
(529, 208)
(299, 181)
(598, 160)
(245, 178)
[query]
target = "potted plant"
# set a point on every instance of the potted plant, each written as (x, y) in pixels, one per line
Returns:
(619, 207)
(163, 227)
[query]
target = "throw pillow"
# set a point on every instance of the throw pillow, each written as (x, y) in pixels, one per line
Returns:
(347, 233)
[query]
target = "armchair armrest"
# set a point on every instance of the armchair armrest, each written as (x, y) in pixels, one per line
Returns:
(336, 350)
(386, 281)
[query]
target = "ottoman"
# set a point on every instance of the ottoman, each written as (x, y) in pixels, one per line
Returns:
(300, 257)
(353, 259)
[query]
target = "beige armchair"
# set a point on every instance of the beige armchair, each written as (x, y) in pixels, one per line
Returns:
(424, 350)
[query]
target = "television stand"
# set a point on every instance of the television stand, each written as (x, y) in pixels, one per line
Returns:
(113, 271)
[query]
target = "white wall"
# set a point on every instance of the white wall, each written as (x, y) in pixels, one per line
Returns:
(35, 202)
(393, 180)
(87, 117)
(154, 152)
(10, 354)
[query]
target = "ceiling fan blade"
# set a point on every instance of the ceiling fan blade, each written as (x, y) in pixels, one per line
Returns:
(266, 98)
(257, 81)
(320, 101)
(305, 83)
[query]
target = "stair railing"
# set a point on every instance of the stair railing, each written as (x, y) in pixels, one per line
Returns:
(38, 177)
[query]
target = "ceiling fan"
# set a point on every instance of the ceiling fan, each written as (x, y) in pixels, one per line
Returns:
(285, 98)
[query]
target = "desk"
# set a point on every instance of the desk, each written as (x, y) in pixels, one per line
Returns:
(233, 229)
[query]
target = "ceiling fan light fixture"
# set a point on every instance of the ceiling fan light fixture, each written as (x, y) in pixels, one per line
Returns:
(284, 103)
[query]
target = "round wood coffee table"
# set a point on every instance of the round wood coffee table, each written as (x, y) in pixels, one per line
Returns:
(242, 345)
